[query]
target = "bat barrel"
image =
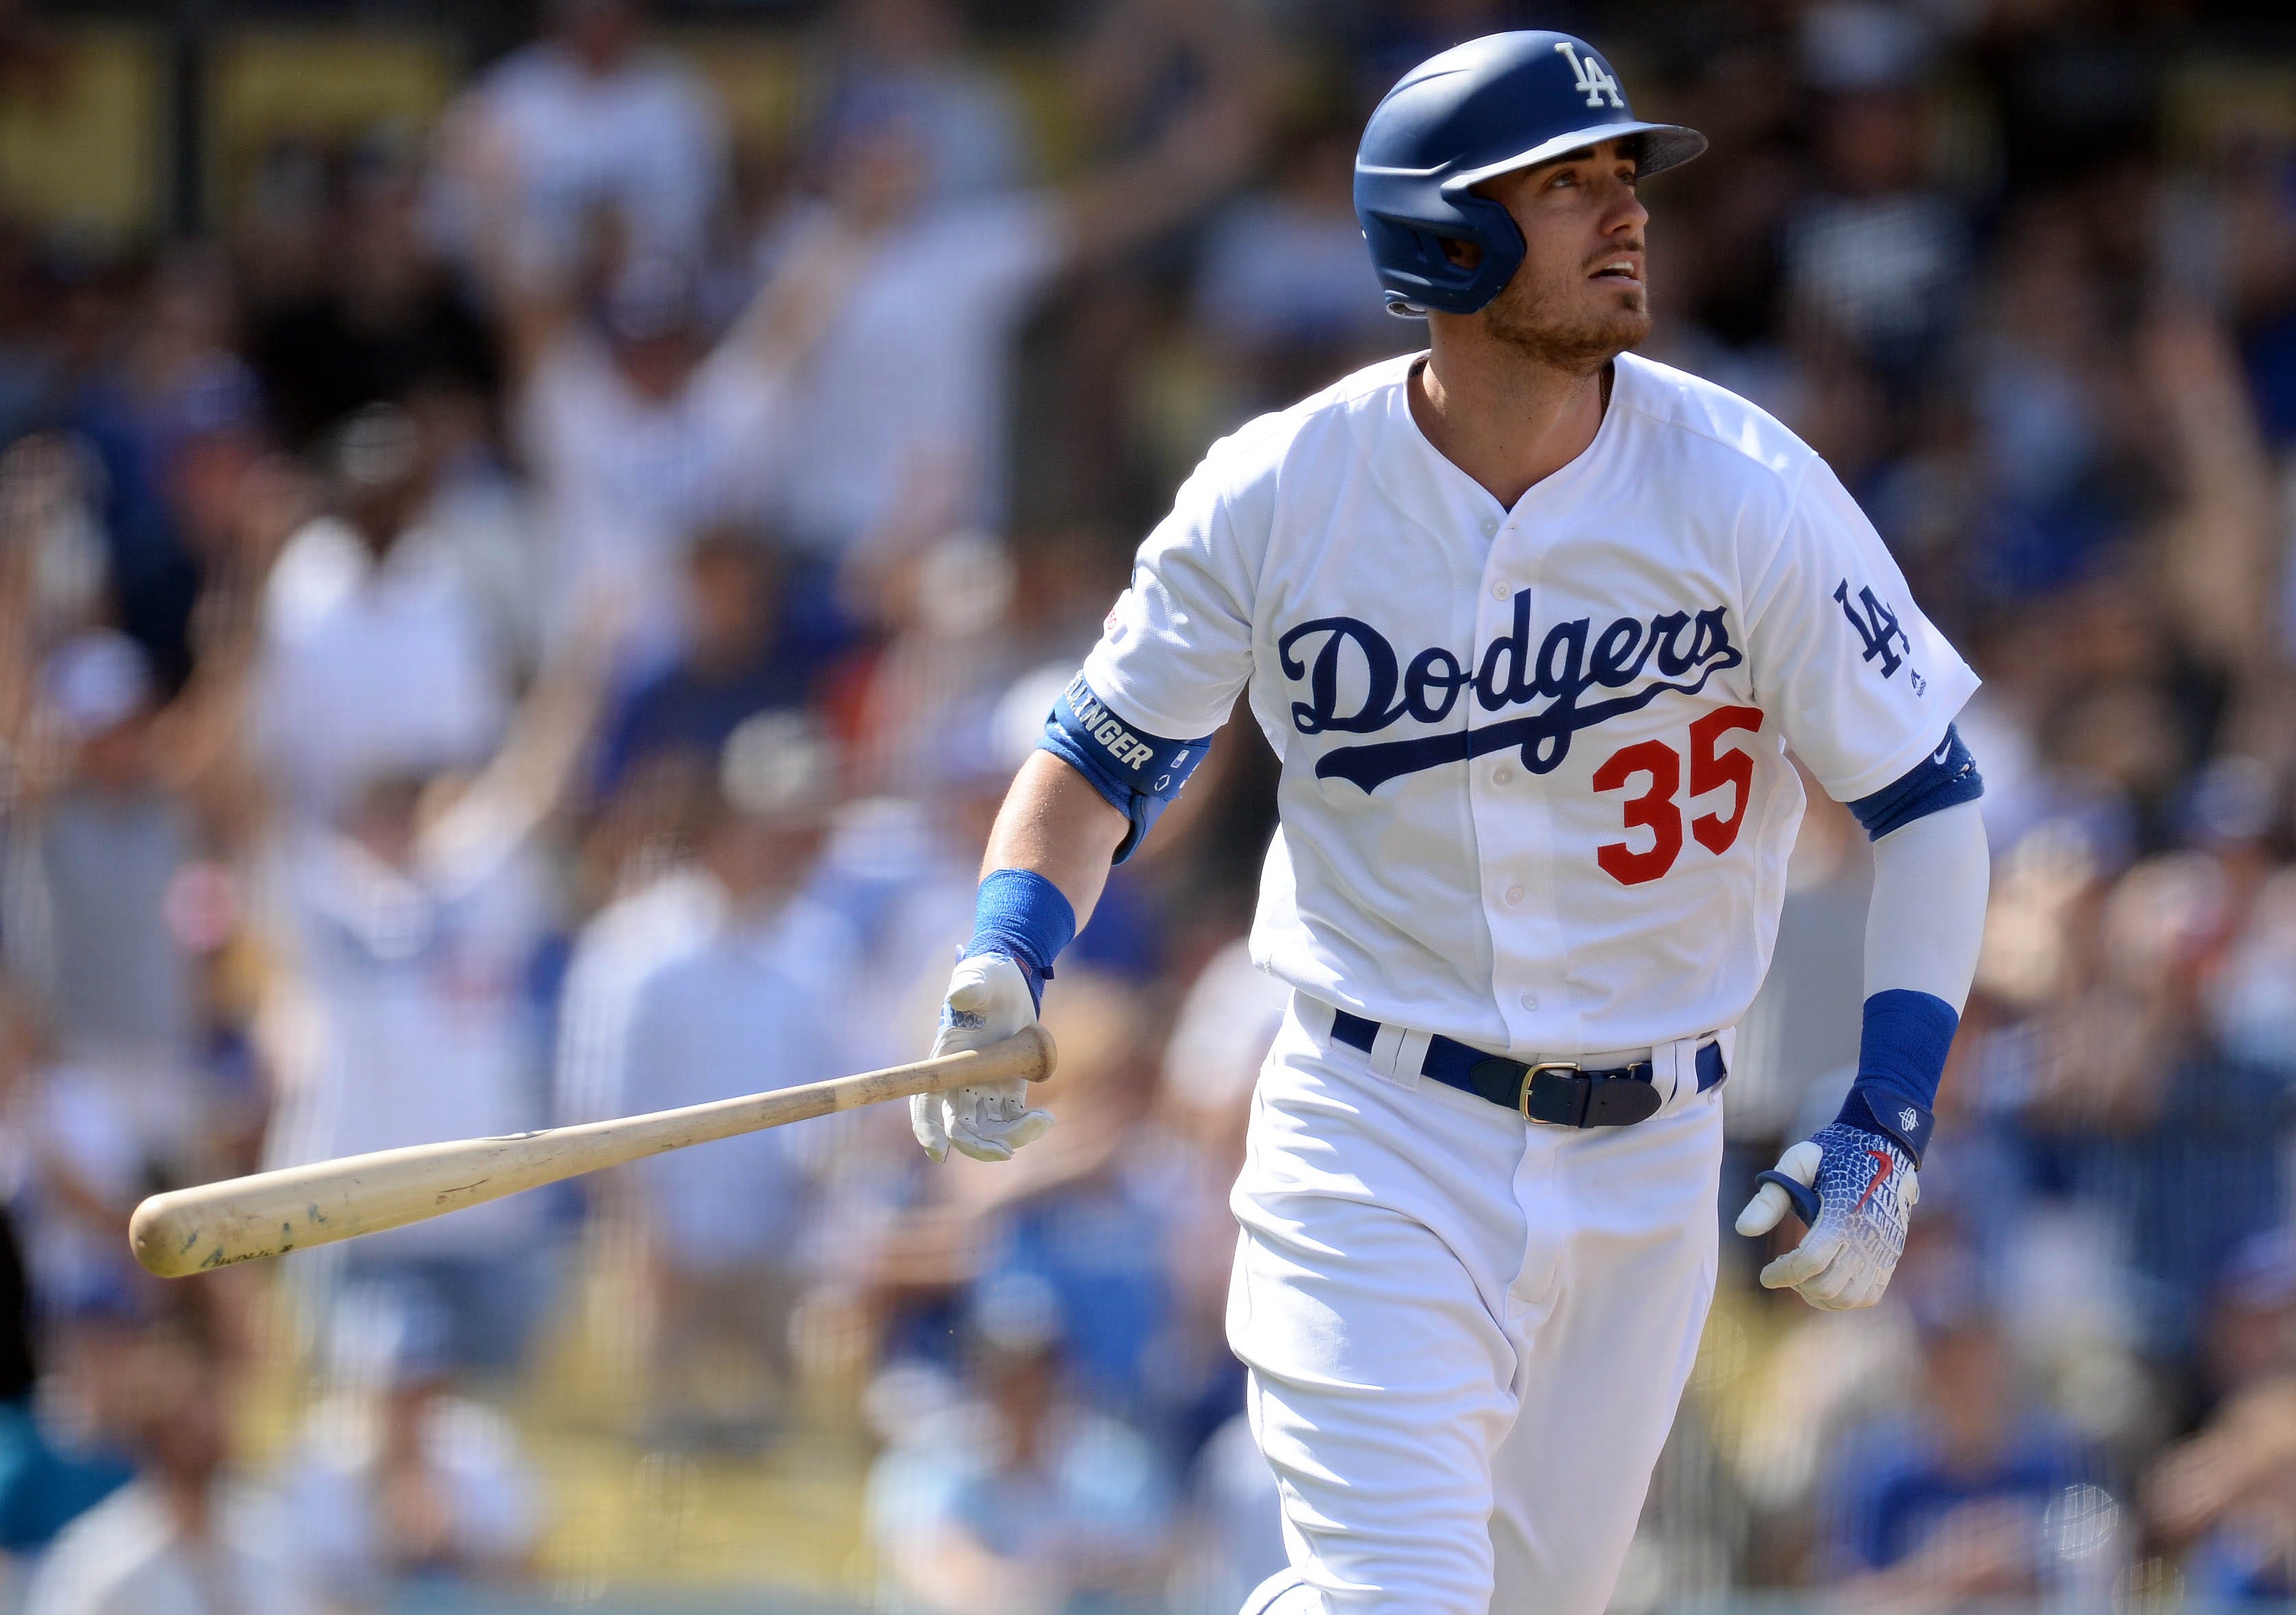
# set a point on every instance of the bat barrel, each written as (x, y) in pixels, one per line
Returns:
(190, 1231)
(210, 1226)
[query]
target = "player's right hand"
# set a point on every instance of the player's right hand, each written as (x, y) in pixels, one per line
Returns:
(1856, 1191)
(988, 1002)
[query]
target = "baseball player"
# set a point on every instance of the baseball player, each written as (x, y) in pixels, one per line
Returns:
(1531, 623)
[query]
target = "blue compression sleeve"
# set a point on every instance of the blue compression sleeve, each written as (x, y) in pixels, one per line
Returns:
(1946, 777)
(1025, 917)
(1900, 1058)
(1137, 773)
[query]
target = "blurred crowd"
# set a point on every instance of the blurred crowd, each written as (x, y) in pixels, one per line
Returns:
(529, 620)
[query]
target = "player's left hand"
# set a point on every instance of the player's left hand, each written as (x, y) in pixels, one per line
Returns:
(1856, 1189)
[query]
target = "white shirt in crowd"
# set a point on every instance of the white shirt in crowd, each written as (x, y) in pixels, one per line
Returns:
(645, 139)
(413, 1023)
(903, 401)
(670, 918)
(624, 944)
(1534, 791)
(105, 1123)
(124, 1556)
(905, 885)
(625, 480)
(747, 1009)
(371, 667)
(1275, 269)
(469, 1454)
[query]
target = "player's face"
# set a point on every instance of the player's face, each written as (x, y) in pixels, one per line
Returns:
(1579, 299)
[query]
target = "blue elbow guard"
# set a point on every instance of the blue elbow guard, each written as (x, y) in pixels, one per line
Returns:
(1138, 774)
(1941, 780)
(1900, 1058)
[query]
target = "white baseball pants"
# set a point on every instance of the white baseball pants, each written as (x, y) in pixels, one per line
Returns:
(1467, 1333)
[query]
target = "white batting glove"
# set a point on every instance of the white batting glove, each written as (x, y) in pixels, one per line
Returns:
(988, 1002)
(1856, 1189)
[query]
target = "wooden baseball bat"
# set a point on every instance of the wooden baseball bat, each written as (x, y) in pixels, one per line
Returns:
(272, 1213)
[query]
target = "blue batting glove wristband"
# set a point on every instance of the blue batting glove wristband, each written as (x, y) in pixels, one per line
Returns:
(1901, 1055)
(1023, 916)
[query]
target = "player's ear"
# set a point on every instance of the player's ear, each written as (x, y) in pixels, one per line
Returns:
(1464, 254)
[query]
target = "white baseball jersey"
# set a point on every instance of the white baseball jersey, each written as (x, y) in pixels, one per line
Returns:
(1534, 788)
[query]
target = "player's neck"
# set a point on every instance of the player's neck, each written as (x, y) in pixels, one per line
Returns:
(1507, 422)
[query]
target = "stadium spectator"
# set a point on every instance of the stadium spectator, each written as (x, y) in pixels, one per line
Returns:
(380, 316)
(412, 918)
(642, 426)
(395, 1478)
(185, 1536)
(588, 120)
(1877, 257)
(911, 52)
(374, 657)
(171, 412)
(1959, 1500)
(741, 657)
(2227, 1494)
(1282, 285)
(897, 431)
(737, 1011)
(90, 879)
(52, 1468)
(1044, 1505)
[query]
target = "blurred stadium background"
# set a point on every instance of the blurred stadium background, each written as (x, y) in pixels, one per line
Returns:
(531, 539)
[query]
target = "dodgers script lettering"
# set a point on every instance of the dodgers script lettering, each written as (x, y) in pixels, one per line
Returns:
(1572, 661)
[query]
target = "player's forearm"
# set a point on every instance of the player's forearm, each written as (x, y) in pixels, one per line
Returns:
(1921, 937)
(1928, 914)
(1057, 825)
(1082, 802)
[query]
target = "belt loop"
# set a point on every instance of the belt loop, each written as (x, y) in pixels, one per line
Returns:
(1397, 1053)
(1666, 1070)
(1411, 1058)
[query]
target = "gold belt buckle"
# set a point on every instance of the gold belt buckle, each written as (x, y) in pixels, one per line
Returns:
(1522, 1099)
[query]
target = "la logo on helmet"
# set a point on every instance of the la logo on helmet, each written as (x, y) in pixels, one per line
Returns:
(1594, 83)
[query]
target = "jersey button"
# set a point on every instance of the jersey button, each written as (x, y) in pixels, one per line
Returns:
(1513, 895)
(1490, 526)
(1503, 775)
(1499, 590)
(1531, 1000)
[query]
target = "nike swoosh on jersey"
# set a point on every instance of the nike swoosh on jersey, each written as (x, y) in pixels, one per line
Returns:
(1939, 754)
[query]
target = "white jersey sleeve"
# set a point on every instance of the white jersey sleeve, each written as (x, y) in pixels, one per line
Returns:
(1177, 648)
(1863, 685)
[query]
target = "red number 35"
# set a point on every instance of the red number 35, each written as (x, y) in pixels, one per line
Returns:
(1653, 809)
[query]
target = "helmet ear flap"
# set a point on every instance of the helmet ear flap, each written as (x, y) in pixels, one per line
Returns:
(1496, 232)
(1419, 275)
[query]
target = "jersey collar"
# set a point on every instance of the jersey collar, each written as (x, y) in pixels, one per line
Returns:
(1425, 481)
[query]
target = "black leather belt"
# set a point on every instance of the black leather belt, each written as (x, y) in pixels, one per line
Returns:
(1557, 1092)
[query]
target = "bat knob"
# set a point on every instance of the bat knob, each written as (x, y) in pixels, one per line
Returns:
(1047, 1056)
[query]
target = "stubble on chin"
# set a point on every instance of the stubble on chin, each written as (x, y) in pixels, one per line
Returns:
(1577, 342)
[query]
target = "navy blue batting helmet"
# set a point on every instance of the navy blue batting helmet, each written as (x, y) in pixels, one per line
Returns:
(1488, 107)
